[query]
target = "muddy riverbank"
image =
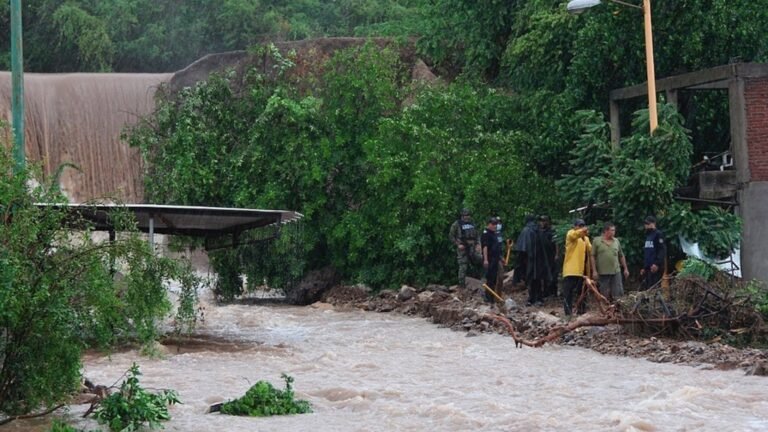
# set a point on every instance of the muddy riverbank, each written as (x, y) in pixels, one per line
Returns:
(462, 310)
(367, 371)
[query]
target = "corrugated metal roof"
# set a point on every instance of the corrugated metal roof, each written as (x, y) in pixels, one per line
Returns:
(184, 220)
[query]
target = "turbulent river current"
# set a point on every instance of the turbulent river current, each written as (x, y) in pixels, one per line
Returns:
(363, 371)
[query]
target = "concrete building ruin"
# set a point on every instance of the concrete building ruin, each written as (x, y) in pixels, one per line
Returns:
(744, 183)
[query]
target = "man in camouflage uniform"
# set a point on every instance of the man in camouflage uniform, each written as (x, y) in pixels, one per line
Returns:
(466, 237)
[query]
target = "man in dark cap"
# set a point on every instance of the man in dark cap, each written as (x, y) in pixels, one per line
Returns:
(654, 254)
(466, 237)
(491, 255)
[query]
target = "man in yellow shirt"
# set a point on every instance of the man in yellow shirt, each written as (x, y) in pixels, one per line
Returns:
(575, 264)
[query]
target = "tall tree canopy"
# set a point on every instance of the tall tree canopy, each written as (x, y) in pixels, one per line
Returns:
(166, 35)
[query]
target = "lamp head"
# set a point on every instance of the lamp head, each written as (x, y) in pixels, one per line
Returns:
(578, 6)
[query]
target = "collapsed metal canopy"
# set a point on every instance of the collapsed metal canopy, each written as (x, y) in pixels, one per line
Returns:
(183, 220)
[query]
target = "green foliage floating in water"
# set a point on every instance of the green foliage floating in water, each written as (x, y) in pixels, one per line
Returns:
(263, 400)
(133, 406)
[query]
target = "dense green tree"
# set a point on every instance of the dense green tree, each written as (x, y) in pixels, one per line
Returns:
(167, 35)
(468, 35)
(450, 149)
(544, 54)
(379, 168)
(640, 178)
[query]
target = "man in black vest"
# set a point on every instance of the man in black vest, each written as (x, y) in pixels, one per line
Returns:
(654, 254)
(491, 256)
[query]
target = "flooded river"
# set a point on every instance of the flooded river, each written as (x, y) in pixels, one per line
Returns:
(364, 371)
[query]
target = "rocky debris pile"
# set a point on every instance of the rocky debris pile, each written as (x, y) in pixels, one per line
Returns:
(614, 340)
(464, 310)
(695, 309)
(452, 307)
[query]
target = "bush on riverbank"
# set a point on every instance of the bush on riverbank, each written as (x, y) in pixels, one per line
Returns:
(60, 292)
(59, 426)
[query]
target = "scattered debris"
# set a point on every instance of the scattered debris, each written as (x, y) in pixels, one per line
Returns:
(614, 329)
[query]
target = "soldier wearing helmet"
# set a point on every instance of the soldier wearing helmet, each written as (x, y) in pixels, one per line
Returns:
(466, 238)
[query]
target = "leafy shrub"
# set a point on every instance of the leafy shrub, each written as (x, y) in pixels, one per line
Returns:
(697, 267)
(58, 293)
(758, 293)
(639, 179)
(263, 400)
(133, 406)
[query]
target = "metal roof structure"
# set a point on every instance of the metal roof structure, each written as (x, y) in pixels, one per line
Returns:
(209, 222)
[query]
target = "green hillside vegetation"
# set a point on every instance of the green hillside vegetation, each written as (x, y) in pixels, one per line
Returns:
(167, 35)
(381, 166)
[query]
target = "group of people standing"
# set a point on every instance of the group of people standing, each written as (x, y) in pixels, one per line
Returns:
(536, 251)
(603, 260)
(484, 248)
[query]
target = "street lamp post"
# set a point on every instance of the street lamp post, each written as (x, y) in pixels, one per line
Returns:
(17, 84)
(579, 6)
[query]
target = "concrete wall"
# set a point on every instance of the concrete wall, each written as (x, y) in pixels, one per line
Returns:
(753, 209)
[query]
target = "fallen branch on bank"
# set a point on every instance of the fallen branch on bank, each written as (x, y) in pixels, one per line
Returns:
(30, 416)
(705, 309)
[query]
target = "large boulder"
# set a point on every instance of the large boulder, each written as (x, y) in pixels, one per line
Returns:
(406, 293)
(313, 286)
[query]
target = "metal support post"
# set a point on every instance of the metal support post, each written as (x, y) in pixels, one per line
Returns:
(152, 232)
(17, 83)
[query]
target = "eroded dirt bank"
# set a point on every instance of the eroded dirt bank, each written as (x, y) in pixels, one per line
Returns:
(463, 310)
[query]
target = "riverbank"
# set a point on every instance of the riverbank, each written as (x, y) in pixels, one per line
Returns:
(463, 310)
(366, 371)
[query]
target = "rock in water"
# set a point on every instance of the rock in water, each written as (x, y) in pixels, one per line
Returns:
(312, 287)
(760, 369)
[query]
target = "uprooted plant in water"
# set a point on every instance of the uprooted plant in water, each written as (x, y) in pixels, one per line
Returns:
(133, 406)
(263, 400)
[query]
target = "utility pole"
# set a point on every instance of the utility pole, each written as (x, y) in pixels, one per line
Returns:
(650, 68)
(17, 83)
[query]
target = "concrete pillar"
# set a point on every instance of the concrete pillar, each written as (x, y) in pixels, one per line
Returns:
(152, 232)
(738, 118)
(615, 124)
(672, 98)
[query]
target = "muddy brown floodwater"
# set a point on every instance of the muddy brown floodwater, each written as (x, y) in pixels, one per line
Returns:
(363, 371)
